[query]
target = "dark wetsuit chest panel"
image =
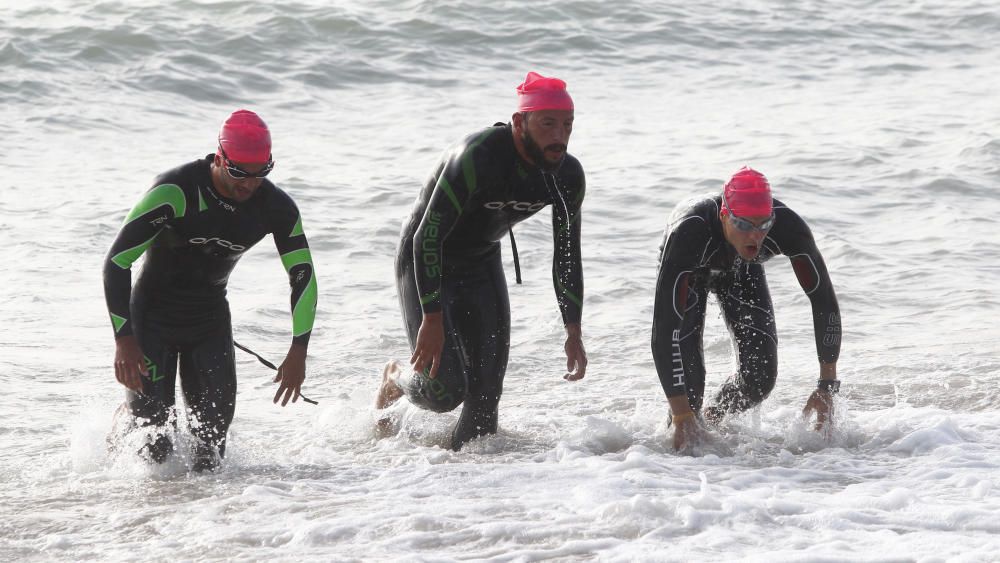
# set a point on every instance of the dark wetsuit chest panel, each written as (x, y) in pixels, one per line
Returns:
(507, 200)
(480, 189)
(192, 239)
(200, 250)
(695, 255)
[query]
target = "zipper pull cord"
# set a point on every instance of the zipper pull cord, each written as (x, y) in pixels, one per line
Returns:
(513, 249)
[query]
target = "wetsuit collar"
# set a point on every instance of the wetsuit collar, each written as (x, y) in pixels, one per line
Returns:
(209, 186)
(225, 202)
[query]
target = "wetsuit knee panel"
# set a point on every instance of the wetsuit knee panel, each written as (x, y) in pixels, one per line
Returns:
(148, 410)
(746, 393)
(436, 395)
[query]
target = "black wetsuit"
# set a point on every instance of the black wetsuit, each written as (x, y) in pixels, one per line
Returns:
(449, 260)
(192, 238)
(695, 259)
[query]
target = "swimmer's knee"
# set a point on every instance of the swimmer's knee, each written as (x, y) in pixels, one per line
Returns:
(146, 410)
(750, 389)
(734, 398)
(765, 382)
(438, 395)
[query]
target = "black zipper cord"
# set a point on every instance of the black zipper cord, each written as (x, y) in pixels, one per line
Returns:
(513, 250)
(270, 365)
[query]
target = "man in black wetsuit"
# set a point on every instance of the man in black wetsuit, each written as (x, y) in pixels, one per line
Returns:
(193, 225)
(449, 274)
(719, 244)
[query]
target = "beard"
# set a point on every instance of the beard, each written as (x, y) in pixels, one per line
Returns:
(537, 153)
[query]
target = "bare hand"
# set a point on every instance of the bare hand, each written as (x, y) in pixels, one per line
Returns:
(686, 432)
(291, 374)
(130, 363)
(576, 355)
(822, 402)
(430, 343)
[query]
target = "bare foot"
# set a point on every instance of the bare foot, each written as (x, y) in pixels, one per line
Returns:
(384, 427)
(121, 424)
(389, 392)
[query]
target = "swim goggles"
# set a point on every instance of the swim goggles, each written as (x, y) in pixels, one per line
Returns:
(747, 225)
(239, 173)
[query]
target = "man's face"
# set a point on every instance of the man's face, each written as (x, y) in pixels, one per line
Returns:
(238, 189)
(746, 242)
(545, 135)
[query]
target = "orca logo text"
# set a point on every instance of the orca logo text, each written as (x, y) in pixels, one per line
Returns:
(221, 242)
(515, 205)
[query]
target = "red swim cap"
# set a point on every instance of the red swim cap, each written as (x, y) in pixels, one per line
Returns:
(747, 194)
(245, 138)
(538, 93)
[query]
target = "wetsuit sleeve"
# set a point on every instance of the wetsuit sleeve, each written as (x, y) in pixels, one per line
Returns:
(290, 240)
(810, 270)
(458, 180)
(567, 262)
(144, 222)
(680, 257)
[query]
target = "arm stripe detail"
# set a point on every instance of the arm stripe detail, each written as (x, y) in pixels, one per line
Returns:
(446, 187)
(469, 166)
(297, 229)
(572, 297)
(679, 308)
(429, 297)
(296, 257)
(118, 322)
(815, 271)
(304, 310)
(125, 258)
(164, 194)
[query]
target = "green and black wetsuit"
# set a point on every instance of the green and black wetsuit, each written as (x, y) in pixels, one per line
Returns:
(696, 259)
(192, 238)
(449, 261)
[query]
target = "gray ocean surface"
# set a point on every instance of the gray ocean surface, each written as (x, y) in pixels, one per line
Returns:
(877, 122)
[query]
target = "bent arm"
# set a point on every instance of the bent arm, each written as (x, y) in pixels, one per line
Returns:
(679, 258)
(567, 259)
(792, 235)
(290, 240)
(813, 277)
(142, 225)
(459, 178)
(668, 313)
(428, 246)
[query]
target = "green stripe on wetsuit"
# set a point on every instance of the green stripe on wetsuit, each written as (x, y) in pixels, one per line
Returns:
(118, 322)
(469, 166)
(468, 171)
(446, 187)
(166, 194)
(297, 229)
(469, 175)
(304, 309)
(569, 294)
